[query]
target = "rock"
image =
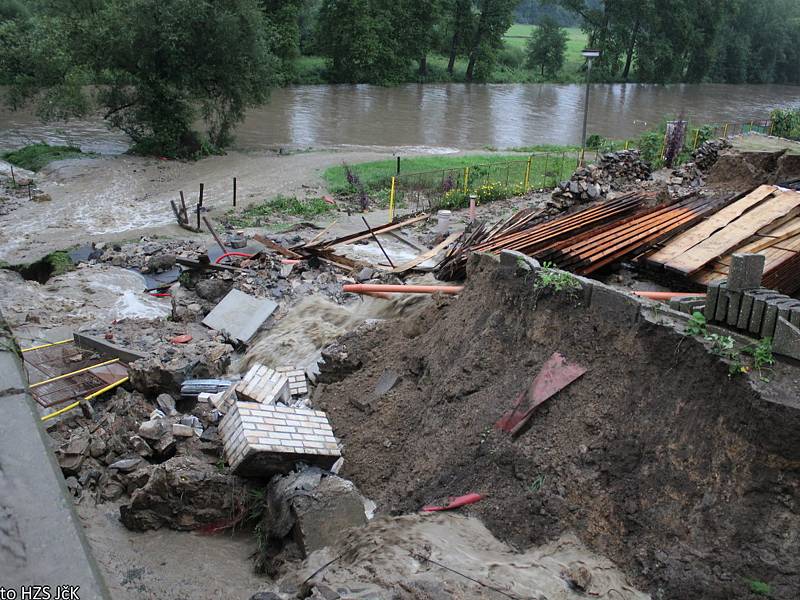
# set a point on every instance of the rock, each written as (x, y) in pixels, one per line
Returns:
(213, 289)
(192, 422)
(154, 430)
(265, 596)
(141, 447)
(70, 463)
(166, 404)
(160, 263)
(578, 576)
(126, 465)
(42, 197)
(97, 448)
(164, 447)
(112, 490)
(200, 360)
(183, 493)
(157, 414)
(73, 486)
(195, 307)
(365, 274)
(76, 445)
(210, 435)
(179, 430)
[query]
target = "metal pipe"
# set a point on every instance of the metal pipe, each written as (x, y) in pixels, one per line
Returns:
(377, 241)
(360, 288)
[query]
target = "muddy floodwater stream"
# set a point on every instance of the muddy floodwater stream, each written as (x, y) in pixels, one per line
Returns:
(439, 117)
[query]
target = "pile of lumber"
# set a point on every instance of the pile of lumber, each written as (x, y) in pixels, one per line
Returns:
(765, 221)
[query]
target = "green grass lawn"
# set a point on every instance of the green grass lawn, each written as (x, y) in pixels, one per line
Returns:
(518, 36)
(36, 156)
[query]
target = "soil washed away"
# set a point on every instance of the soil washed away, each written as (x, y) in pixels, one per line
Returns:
(684, 477)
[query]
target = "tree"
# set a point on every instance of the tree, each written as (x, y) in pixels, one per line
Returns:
(417, 22)
(461, 25)
(156, 64)
(494, 19)
(546, 47)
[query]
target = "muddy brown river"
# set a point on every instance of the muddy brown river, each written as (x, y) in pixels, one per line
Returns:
(444, 116)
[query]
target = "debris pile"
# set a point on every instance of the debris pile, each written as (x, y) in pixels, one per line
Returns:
(615, 171)
(707, 154)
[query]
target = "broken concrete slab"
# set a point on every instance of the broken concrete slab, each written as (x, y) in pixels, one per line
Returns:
(106, 348)
(240, 315)
(512, 260)
(614, 305)
(787, 339)
(746, 272)
(264, 386)
(261, 440)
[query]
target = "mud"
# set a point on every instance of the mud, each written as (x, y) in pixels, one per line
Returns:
(655, 458)
(390, 558)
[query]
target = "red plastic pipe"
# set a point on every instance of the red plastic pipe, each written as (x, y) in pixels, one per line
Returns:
(667, 295)
(362, 288)
(227, 254)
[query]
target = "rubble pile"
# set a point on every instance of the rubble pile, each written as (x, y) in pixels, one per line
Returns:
(149, 255)
(615, 171)
(19, 190)
(691, 174)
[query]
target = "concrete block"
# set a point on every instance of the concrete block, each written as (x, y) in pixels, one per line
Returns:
(587, 285)
(721, 311)
(512, 259)
(261, 440)
(787, 339)
(240, 315)
(771, 316)
(785, 308)
(614, 305)
(745, 310)
(759, 307)
(712, 295)
(745, 272)
(794, 317)
(734, 302)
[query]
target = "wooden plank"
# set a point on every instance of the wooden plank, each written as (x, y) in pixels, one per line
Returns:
(277, 247)
(734, 233)
(704, 230)
(427, 255)
(363, 234)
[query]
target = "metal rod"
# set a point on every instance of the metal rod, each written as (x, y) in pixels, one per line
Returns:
(183, 209)
(375, 237)
(234, 191)
(214, 234)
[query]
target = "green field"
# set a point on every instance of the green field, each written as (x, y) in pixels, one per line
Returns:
(518, 36)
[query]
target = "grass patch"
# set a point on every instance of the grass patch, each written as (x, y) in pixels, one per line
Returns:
(256, 215)
(37, 156)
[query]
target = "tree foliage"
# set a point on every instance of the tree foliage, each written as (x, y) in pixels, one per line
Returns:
(546, 47)
(156, 66)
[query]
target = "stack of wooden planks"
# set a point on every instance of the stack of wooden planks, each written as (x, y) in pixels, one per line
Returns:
(585, 254)
(765, 221)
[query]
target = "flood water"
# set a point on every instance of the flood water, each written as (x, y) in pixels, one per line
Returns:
(439, 117)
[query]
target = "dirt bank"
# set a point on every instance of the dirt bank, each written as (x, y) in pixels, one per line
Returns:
(685, 477)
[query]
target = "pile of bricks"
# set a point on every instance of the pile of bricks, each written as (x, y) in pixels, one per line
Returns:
(741, 302)
(262, 440)
(264, 386)
(297, 380)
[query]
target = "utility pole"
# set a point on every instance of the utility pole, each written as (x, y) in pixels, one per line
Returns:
(589, 55)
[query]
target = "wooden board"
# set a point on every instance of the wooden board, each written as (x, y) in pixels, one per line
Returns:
(734, 233)
(426, 255)
(707, 228)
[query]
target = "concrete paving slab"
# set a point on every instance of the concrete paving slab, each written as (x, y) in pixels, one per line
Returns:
(240, 315)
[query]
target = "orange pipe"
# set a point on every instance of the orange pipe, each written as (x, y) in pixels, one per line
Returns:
(667, 295)
(361, 288)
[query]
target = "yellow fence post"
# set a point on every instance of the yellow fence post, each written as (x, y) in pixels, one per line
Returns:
(466, 179)
(626, 144)
(696, 138)
(391, 200)
(771, 123)
(725, 131)
(527, 173)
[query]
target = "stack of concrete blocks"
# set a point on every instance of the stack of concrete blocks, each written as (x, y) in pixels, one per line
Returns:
(261, 440)
(741, 302)
(688, 304)
(298, 386)
(264, 386)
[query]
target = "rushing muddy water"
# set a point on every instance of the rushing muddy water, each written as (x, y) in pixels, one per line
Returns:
(437, 117)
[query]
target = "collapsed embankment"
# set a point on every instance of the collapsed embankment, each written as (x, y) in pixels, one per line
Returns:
(684, 476)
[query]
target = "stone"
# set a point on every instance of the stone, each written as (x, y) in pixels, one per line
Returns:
(154, 429)
(166, 404)
(112, 490)
(261, 440)
(787, 339)
(97, 447)
(265, 596)
(578, 576)
(180, 430)
(164, 447)
(183, 493)
(141, 447)
(324, 516)
(365, 274)
(193, 422)
(386, 382)
(213, 289)
(745, 272)
(160, 263)
(73, 486)
(126, 465)
(240, 315)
